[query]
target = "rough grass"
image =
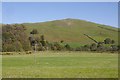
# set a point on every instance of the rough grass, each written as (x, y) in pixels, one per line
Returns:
(60, 65)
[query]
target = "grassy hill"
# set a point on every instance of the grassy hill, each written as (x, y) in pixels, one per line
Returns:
(72, 31)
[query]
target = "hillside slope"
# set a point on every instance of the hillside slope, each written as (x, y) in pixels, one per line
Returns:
(73, 30)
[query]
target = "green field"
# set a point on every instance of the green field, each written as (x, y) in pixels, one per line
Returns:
(60, 65)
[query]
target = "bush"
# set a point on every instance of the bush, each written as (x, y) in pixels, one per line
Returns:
(79, 49)
(67, 47)
(42, 38)
(100, 48)
(53, 47)
(58, 46)
(109, 41)
(61, 41)
(28, 52)
(7, 53)
(93, 47)
(112, 41)
(43, 43)
(114, 48)
(86, 48)
(34, 31)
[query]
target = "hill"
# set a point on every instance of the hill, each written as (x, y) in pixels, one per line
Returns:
(74, 32)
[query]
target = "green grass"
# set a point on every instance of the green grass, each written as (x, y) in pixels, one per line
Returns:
(60, 65)
(72, 30)
(0, 66)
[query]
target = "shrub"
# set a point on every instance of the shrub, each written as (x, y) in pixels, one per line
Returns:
(34, 31)
(100, 47)
(58, 46)
(67, 47)
(114, 48)
(28, 52)
(93, 47)
(107, 41)
(112, 41)
(79, 49)
(86, 48)
(61, 41)
(8, 53)
(42, 38)
(53, 47)
(43, 43)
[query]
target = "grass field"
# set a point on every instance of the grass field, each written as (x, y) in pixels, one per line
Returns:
(60, 65)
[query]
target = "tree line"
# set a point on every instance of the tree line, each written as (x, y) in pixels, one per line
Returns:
(106, 45)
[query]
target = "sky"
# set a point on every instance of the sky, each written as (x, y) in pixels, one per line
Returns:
(24, 12)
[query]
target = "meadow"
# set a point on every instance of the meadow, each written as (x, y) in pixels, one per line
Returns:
(49, 64)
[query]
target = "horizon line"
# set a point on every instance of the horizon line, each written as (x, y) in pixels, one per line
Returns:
(60, 19)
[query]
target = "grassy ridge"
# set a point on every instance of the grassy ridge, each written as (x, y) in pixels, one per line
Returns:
(61, 65)
(73, 30)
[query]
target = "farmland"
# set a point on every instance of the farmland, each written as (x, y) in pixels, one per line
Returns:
(66, 64)
(59, 40)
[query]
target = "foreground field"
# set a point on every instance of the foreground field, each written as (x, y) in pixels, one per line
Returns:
(60, 65)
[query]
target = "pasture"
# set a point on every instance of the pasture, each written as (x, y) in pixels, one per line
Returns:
(50, 64)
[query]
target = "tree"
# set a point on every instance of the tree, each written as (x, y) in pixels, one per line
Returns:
(86, 47)
(61, 41)
(42, 38)
(31, 39)
(114, 47)
(58, 46)
(93, 47)
(43, 42)
(67, 46)
(79, 49)
(119, 47)
(53, 47)
(112, 41)
(100, 47)
(34, 31)
(107, 41)
(14, 38)
(100, 43)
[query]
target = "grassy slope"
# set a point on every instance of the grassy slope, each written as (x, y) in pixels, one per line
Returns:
(72, 30)
(61, 65)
